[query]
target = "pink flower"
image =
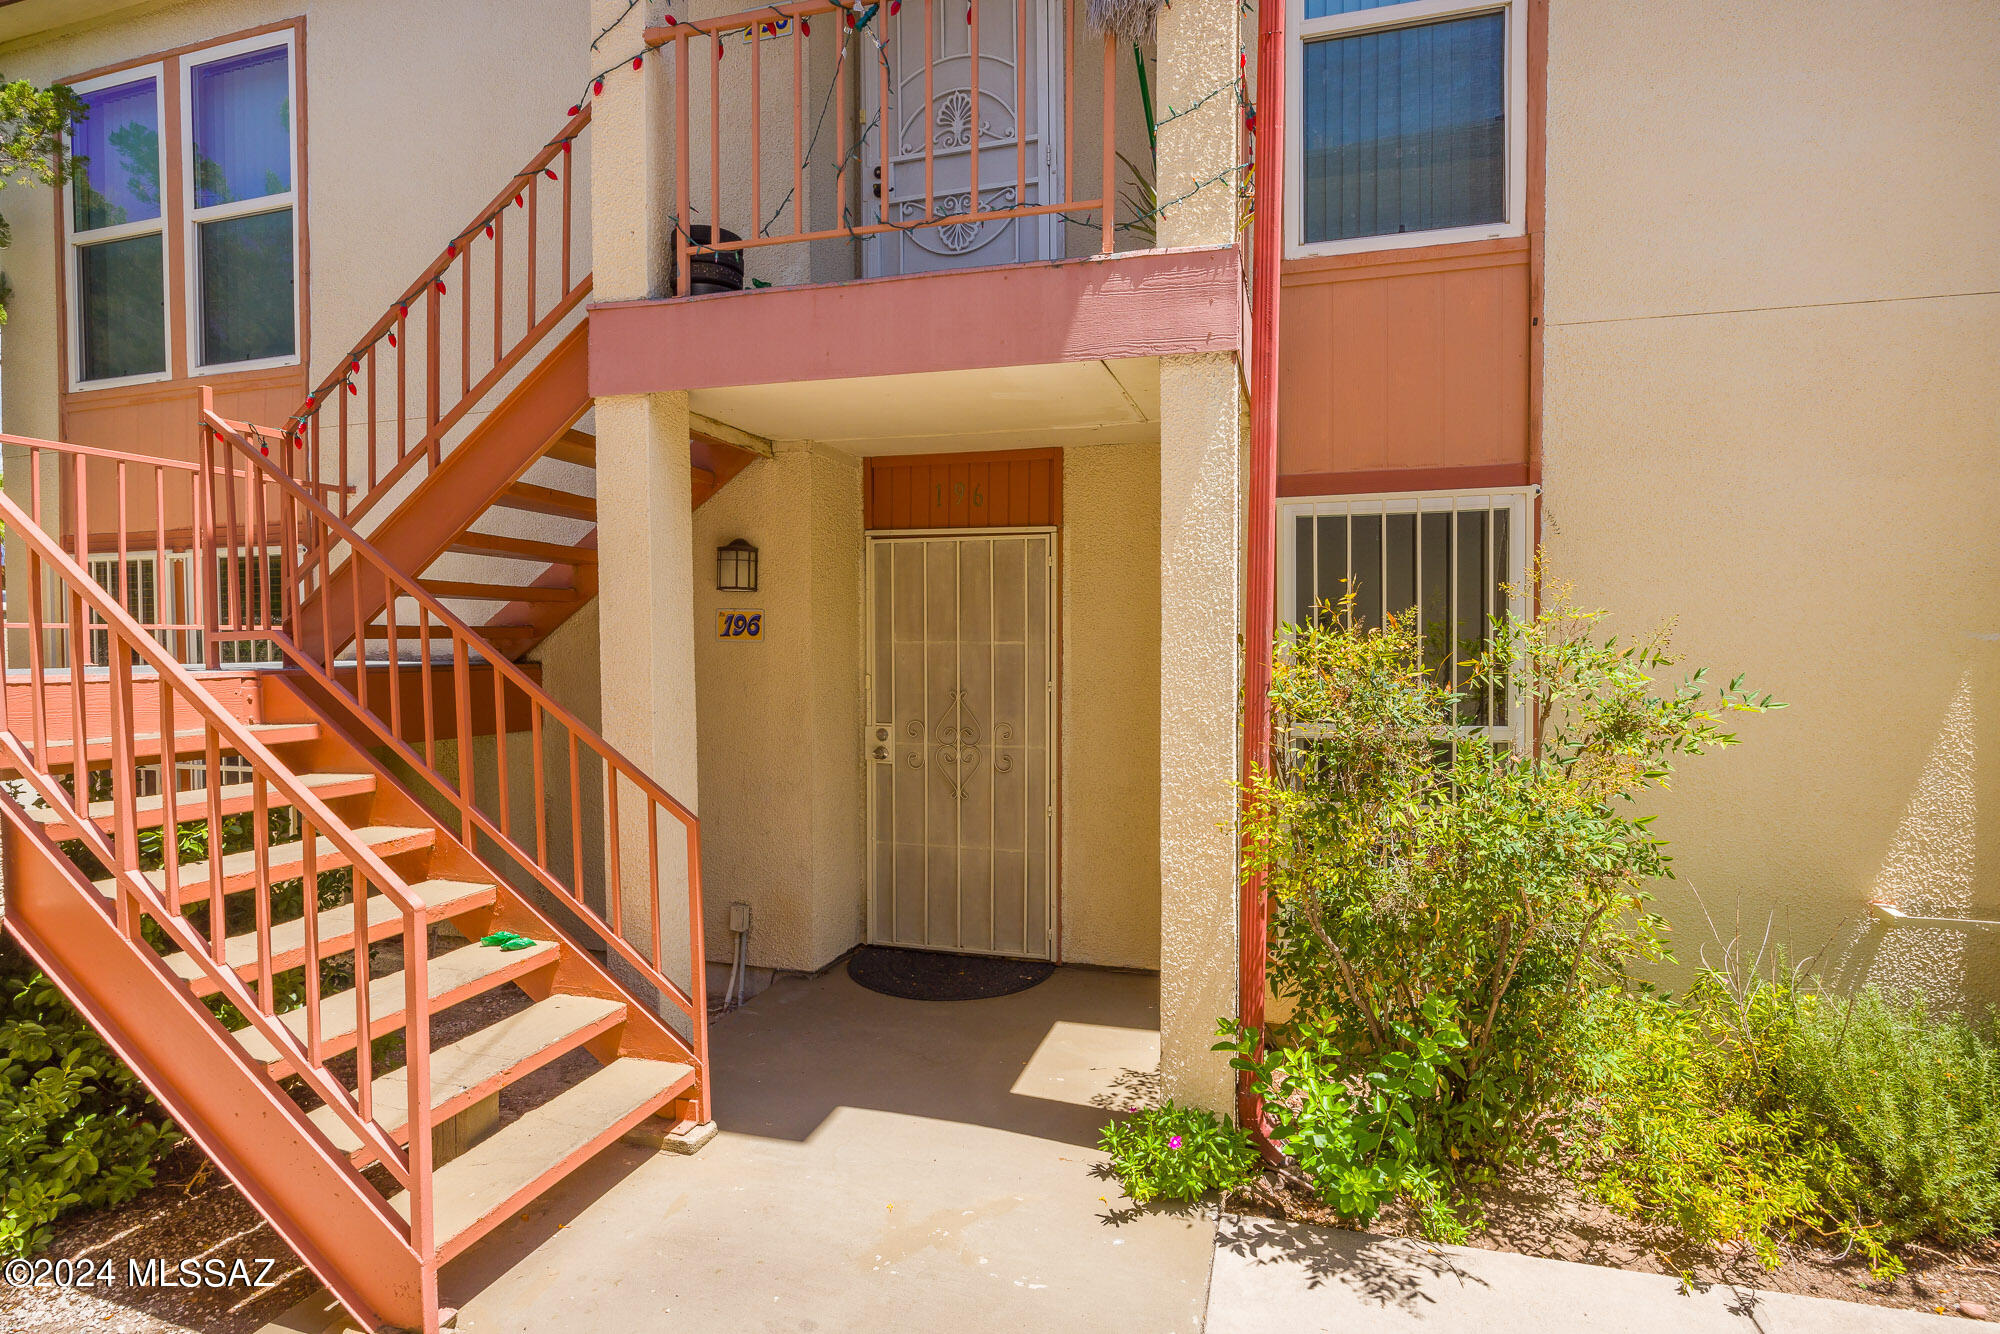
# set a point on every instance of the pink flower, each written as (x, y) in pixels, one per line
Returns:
(1173, 1141)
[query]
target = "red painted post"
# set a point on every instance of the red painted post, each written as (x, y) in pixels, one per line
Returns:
(1260, 618)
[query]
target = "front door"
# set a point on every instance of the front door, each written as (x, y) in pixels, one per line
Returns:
(1018, 138)
(961, 788)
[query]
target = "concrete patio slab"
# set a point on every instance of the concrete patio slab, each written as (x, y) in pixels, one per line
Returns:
(883, 1165)
(1287, 1276)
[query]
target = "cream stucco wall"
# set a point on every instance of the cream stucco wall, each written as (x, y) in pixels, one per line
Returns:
(1110, 715)
(408, 130)
(1772, 409)
(780, 719)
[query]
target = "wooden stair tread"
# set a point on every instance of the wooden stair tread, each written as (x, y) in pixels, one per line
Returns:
(441, 899)
(239, 869)
(189, 743)
(453, 588)
(521, 548)
(496, 631)
(574, 446)
(468, 1070)
(453, 976)
(192, 804)
(496, 1176)
(546, 500)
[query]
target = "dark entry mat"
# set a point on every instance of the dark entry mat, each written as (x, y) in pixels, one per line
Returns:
(931, 976)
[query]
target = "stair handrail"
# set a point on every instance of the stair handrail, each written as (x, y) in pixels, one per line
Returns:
(129, 639)
(466, 639)
(523, 190)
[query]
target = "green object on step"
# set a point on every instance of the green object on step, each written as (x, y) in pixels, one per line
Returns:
(507, 940)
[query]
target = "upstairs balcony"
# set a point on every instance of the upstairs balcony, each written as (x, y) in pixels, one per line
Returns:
(915, 187)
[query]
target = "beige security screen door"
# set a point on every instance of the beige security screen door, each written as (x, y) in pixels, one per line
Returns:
(961, 784)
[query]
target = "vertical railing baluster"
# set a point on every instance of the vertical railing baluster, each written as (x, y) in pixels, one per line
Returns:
(973, 62)
(433, 361)
(395, 653)
(500, 745)
(260, 843)
(653, 874)
(464, 320)
(309, 867)
(417, 1073)
(1069, 99)
(170, 811)
(401, 341)
(541, 800)
(1020, 105)
(575, 816)
(611, 857)
(124, 774)
(211, 777)
(424, 675)
(38, 696)
(798, 125)
(461, 693)
(364, 1055)
(682, 134)
(499, 225)
(930, 110)
(374, 472)
(532, 198)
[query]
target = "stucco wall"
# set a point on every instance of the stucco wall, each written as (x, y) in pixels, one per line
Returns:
(1770, 409)
(407, 132)
(1111, 705)
(779, 722)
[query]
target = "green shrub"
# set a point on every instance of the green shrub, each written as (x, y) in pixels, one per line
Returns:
(76, 1128)
(1364, 1131)
(1914, 1100)
(1683, 1120)
(1177, 1153)
(1413, 861)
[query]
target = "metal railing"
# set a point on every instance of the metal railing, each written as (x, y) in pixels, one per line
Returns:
(390, 403)
(333, 571)
(94, 790)
(886, 79)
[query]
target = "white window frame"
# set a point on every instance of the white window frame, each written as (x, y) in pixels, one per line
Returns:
(168, 599)
(192, 218)
(1517, 501)
(75, 241)
(1408, 15)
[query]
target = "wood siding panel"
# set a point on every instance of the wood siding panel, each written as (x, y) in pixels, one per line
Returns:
(1004, 489)
(1411, 359)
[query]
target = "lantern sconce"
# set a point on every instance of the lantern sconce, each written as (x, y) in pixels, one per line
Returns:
(736, 567)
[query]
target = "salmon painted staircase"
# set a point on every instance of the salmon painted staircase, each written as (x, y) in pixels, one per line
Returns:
(267, 793)
(456, 434)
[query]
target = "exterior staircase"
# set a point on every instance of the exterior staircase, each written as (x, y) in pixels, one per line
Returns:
(286, 820)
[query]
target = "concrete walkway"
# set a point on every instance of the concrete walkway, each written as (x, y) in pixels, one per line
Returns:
(882, 1165)
(1272, 1276)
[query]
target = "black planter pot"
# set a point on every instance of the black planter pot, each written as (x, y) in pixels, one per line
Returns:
(716, 271)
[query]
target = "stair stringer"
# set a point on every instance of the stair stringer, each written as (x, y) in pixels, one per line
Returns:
(550, 399)
(337, 1223)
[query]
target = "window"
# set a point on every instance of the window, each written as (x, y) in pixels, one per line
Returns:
(140, 593)
(117, 251)
(1447, 559)
(225, 192)
(1407, 123)
(239, 171)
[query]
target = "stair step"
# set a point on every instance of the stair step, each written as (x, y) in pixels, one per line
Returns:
(188, 744)
(236, 798)
(287, 860)
(442, 899)
(521, 548)
(501, 632)
(473, 1067)
(574, 446)
(547, 500)
(451, 588)
(454, 976)
(495, 1177)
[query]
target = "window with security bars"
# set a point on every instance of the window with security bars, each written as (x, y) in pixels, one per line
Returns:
(162, 606)
(1449, 563)
(249, 594)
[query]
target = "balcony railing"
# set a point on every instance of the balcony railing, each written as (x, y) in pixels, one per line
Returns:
(822, 121)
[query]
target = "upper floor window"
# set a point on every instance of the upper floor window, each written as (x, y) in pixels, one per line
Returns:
(216, 201)
(1407, 123)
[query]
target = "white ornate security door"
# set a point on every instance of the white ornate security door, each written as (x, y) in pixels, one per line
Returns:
(961, 787)
(1013, 133)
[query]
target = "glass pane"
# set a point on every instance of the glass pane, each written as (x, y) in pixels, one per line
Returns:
(1320, 9)
(1406, 130)
(246, 288)
(242, 128)
(119, 144)
(121, 308)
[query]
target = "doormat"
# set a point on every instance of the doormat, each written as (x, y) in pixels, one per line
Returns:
(928, 975)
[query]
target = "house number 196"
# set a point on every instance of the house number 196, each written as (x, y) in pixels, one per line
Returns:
(739, 625)
(958, 492)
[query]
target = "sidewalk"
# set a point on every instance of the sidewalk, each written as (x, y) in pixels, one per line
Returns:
(1286, 1276)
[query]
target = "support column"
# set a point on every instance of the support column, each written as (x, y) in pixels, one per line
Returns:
(1202, 443)
(645, 504)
